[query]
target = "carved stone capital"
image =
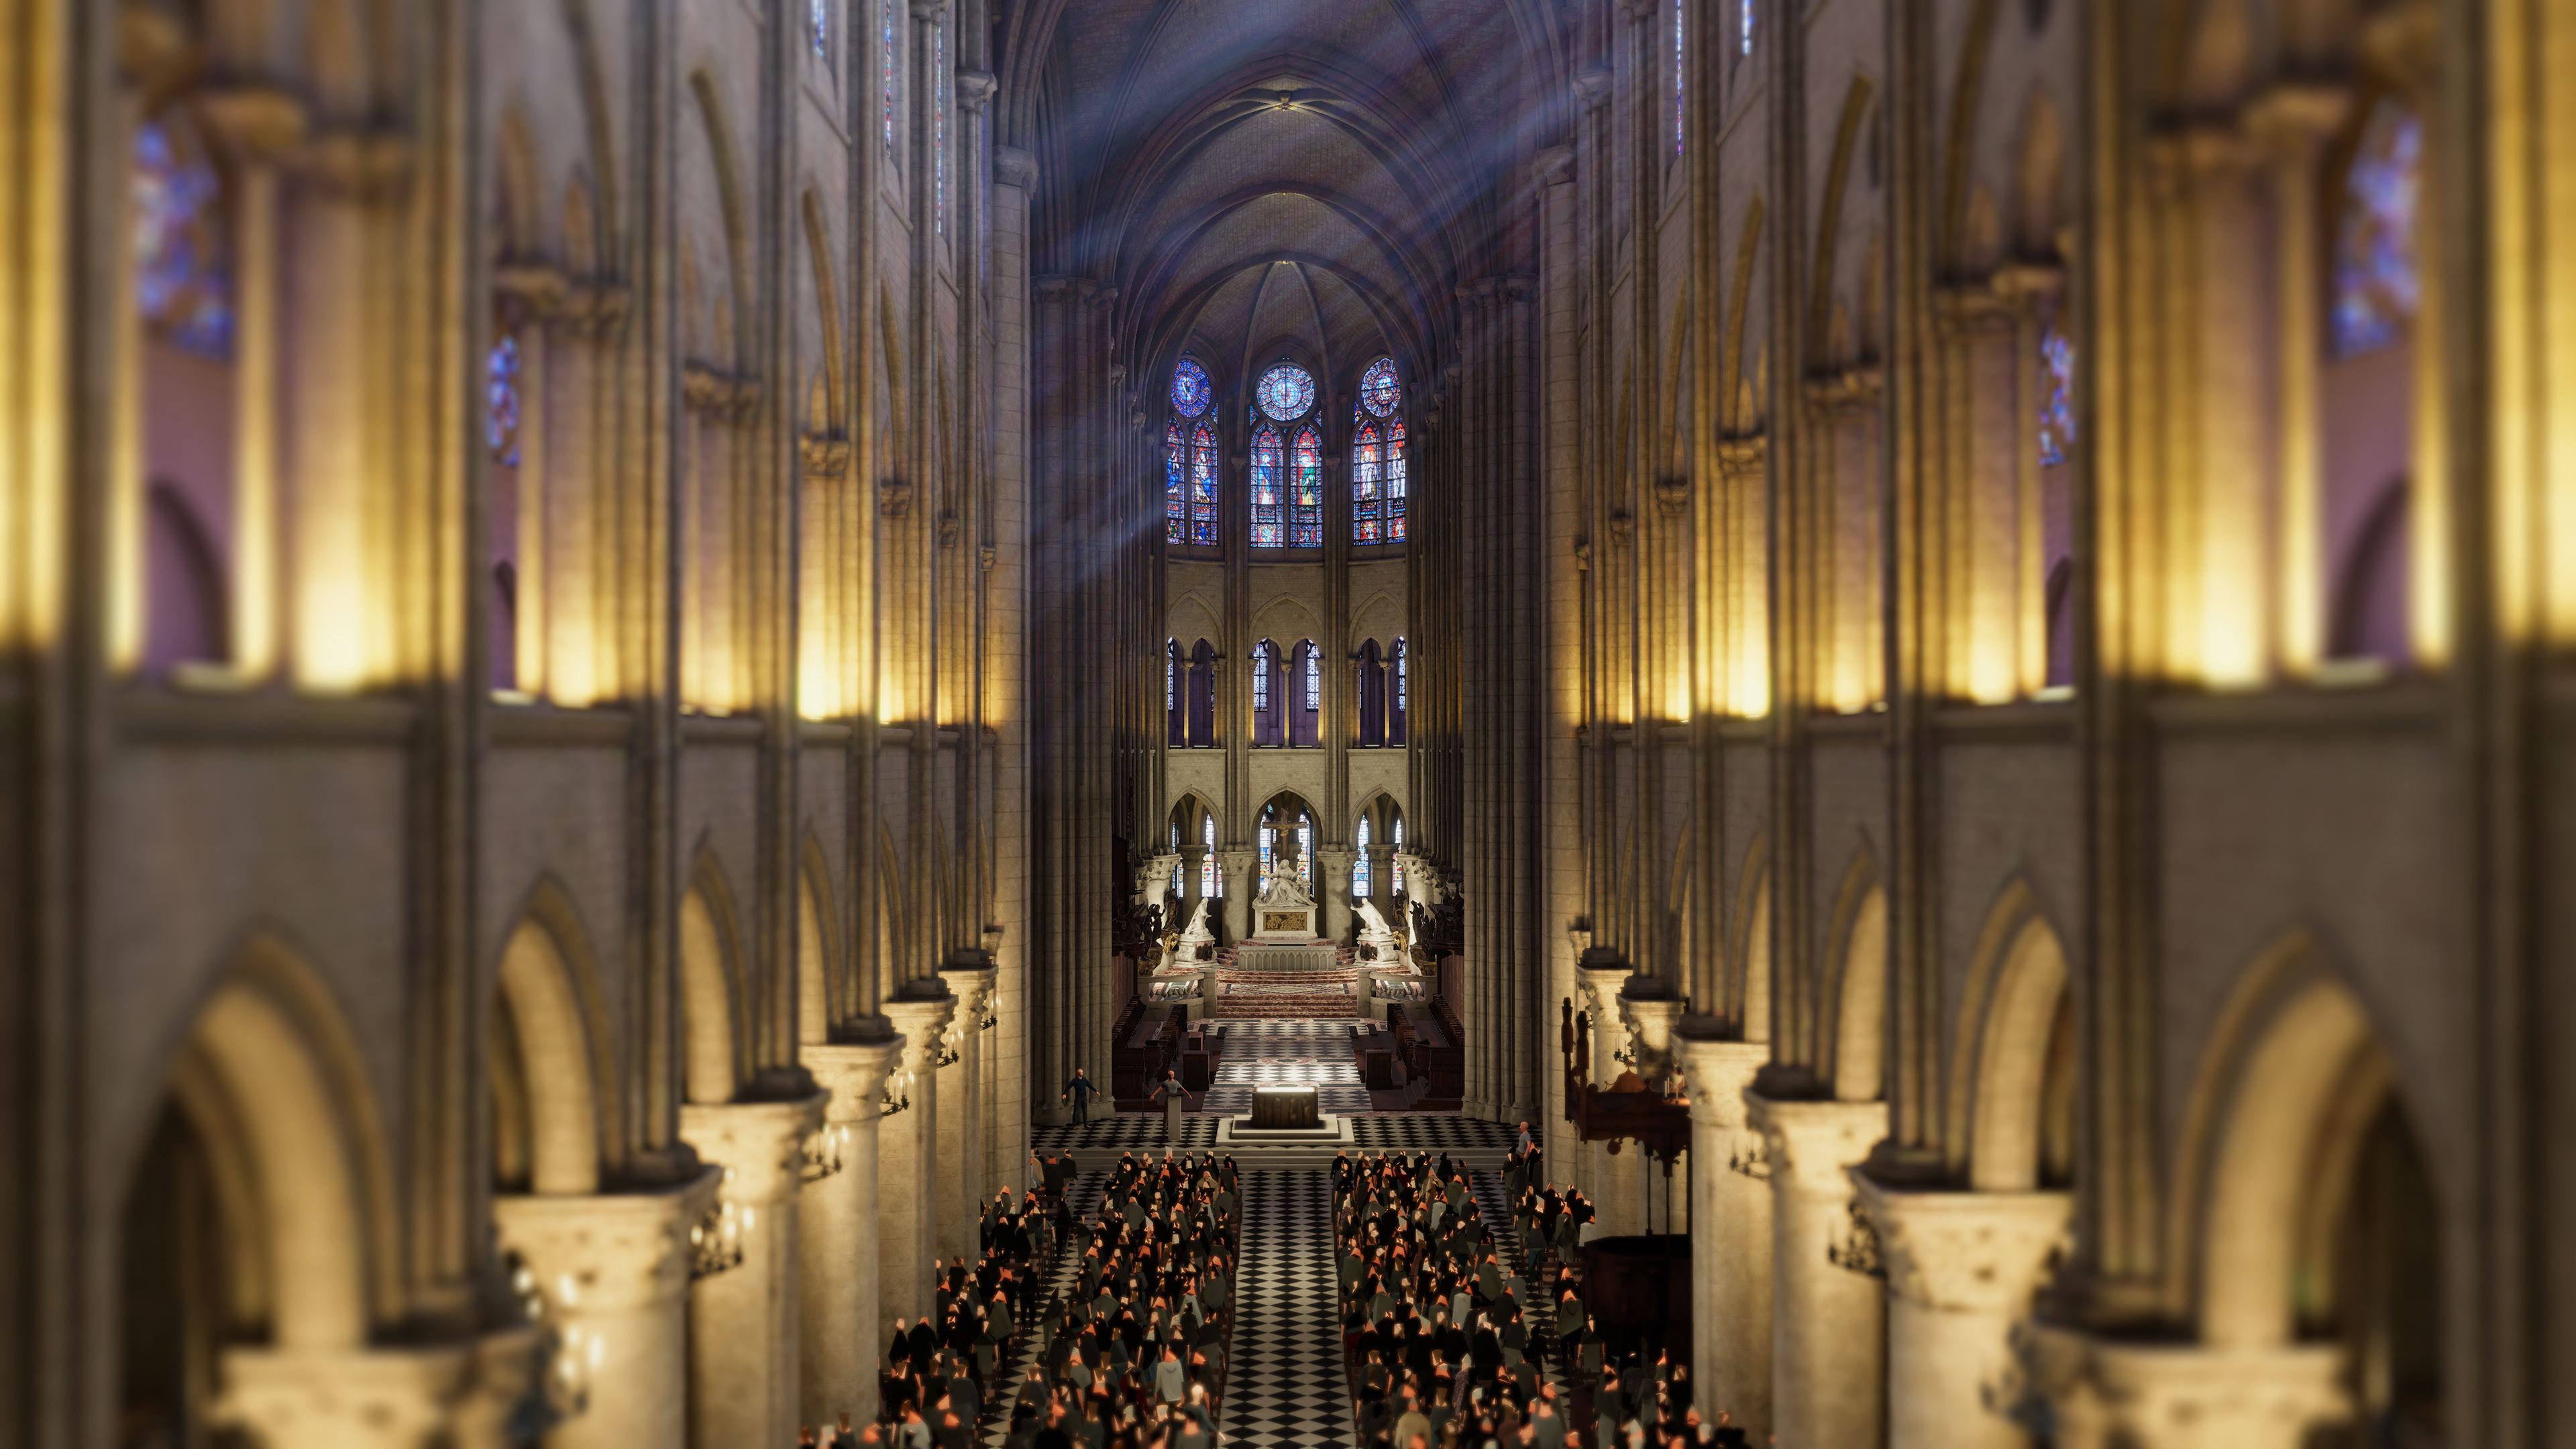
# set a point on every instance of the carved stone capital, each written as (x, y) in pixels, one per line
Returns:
(1718, 1070)
(823, 455)
(975, 981)
(1015, 166)
(376, 1398)
(2161, 1395)
(1592, 87)
(610, 1251)
(1812, 1142)
(1965, 1252)
(260, 121)
(975, 89)
(760, 1145)
(922, 1014)
(853, 1076)
(930, 12)
(894, 497)
(1673, 494)
(539, 286)
(360, 163)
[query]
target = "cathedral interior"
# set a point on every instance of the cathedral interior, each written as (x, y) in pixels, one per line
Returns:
(653, 650)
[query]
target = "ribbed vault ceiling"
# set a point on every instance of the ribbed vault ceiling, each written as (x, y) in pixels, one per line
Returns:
(1259, 176)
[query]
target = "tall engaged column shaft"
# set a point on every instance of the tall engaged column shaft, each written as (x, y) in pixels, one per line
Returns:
(836, 1237)
(744, 1319)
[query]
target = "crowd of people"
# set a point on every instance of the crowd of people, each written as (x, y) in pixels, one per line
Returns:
(1448, 1333)
(1130, 1355)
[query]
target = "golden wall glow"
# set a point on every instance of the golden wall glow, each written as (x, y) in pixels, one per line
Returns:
(32, 391)
(255, 576)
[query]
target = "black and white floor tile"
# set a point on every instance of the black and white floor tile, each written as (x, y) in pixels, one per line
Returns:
(1124, 1131)
(1284, 1387)
(1428, 1132)
(1287, 1054)
(1493, 1205)
(1082, 1194)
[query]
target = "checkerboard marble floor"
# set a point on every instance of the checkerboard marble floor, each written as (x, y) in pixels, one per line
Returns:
(1082, 1194)
(1287, 1054)
(1285, 1383)
(1493, 1205)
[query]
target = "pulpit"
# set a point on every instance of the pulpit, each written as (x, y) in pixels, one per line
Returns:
(1285, 1109)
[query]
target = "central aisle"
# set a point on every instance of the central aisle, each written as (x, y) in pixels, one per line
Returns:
(1286, 1380)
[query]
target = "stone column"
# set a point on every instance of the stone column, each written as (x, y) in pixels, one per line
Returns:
(961, 1112)
(1598, 975)
(744, 1317)
(1961, 1271)
(2109, 1394)
(1336, 862)
(612, 1274)
(836, 1235)
(1828, 1334)
(1730, 1235)
(1235, 868)
(907, 1194)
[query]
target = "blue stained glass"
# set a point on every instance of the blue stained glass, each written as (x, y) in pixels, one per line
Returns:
(1306, 850)
(1367, 470)
(2057, 410)
(1261, 677)
(1203, 485)
(1208, 883)
(2376, 284)
(1744, 28)
(1306, 511)
(1286, 392)
(939, 122)
(1269, 515)
(1395, 481)
(818, 27)
(1190, 389)
(892, 75)
(1360, 864)
(1680, 97)
(1176, 505)
(182, 285)
(1379, 389)
(501, 401)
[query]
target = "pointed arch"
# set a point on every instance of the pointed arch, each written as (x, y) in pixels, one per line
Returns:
(2291, 1083)
(821, 970)
(827, 309)
(553, 1074)
(271, 1082)
(2005, 1069)
(1857, 1063)
(1751, 965)
(712, 1009)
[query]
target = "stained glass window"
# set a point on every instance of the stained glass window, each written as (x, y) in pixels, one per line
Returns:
(1395, 480)
(1176, 503)
(1403, 699)
(1679, 97)
(1744, 27)
(1306, 510)
(182, 281)
(1203, 485)
(1286, 392)
(893, 56)
(501, 401)
(2057, 409)
(1209, 884)
(1368, 463)
(818, 28)
(1190, 388)
(1360, 864)
(2376, 285)
(1171, 674)
(1269, 515)
(1314, 679)
(1265, 859)
(1306, 850)
(1261, 677)
(1379, 390)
